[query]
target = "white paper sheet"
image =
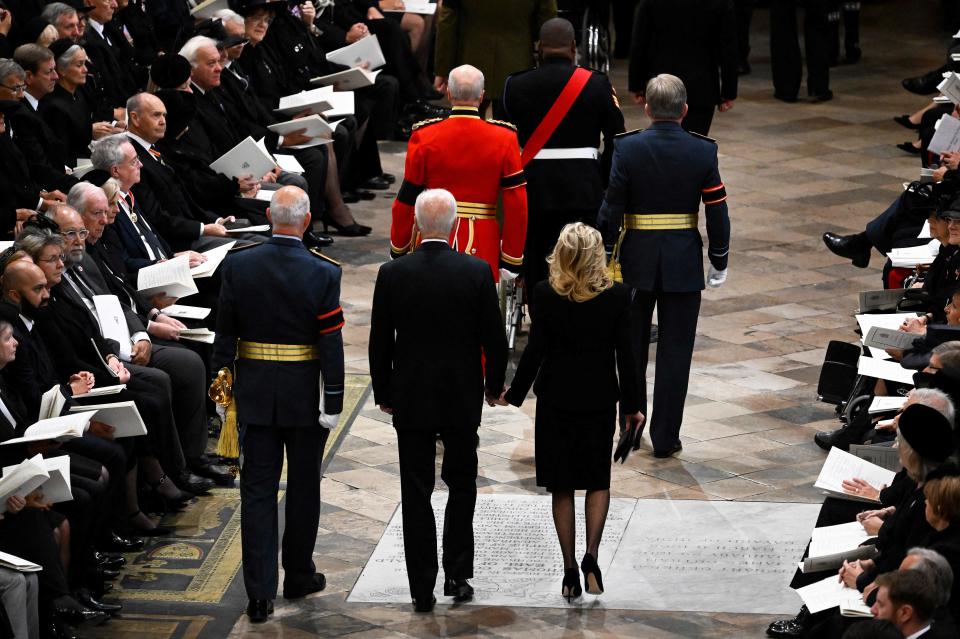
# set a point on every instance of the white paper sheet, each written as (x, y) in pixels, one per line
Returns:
(198, 335)
(22, 479)
(883, 404)
(214, 257)
(287, 163)
(885, 369)
(244, 159)
(59, 428)
(348, 79)
(423, 8)
(950, 87)
(123, 416)
(866, 321)
(365, 50)
(16, 563)
(186, 312)
(113, 323)
(841, 465)
(825, 594)
(947, 136)
(171, 277)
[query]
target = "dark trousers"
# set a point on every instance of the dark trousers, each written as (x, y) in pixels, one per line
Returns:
(677, 322)
(849, 12)
(188, 394)
(744, 12)
(417, 450)
(623, 13)
(785, 60)
(698, 119)
(263, 448)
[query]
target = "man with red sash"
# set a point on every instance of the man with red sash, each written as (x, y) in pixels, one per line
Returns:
(561, 111)
(477, 160)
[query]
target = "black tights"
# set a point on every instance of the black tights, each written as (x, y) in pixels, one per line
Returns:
(597, 504)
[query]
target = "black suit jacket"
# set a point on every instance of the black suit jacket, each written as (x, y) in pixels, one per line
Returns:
(111, 71)
(17, 189)
(32, 372)
(45, 152)
(435, 316)
(135, 253)
(576, 350)
(695, 40)
(73, 339)
(69, 118)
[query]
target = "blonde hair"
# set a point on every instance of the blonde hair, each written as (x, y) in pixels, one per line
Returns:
(943, 495)
(578, 264)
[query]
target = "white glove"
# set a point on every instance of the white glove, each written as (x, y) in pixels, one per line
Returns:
(507, 276)
(222, 413)
(329, 421)
(715, 278)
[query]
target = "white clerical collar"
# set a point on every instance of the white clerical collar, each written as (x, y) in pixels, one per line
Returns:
(27, 322)
(31, 100)
(918, 633)
(136, 138)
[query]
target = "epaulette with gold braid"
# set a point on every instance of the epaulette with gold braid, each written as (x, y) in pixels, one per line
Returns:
(427, 122)
(508, 125)
(317, 252)
(701, 136)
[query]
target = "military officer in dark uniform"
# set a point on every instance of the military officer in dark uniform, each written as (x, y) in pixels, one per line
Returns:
(279, 328)
(658, 179)
(786, 64)
(566, 179)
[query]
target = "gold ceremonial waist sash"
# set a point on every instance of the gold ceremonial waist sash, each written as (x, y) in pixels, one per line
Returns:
(277, 352)
(476, 210)
(659, 221)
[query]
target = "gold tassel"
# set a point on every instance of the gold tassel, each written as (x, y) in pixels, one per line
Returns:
(221, 392)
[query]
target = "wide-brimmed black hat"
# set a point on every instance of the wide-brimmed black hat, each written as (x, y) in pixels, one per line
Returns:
(181, 109)
(927, 432)
(170, 71)
(213, 28)
(61, 46)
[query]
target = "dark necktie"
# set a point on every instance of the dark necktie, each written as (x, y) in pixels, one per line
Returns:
(146, 233)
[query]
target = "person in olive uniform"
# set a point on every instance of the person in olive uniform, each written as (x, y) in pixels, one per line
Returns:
(565, 181)
(496, 36)
(658, 180)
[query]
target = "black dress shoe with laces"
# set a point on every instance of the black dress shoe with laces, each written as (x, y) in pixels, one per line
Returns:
(86, 598)
(377, 184)
(855, 248)
(76, 614)
(924, 84)
(219, 475)
(196, 485)
(118, 543)
(316, 583)
(259, 609)
(110, 561)
(459, 589)
(424, 604)
(795, 627)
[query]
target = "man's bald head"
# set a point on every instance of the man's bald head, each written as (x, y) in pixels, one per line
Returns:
(557, 33)
(73, 231)
(289, 211)
(465, 86)
(25, 284)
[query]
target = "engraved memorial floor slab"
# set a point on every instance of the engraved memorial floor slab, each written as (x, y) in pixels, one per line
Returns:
(712, 556)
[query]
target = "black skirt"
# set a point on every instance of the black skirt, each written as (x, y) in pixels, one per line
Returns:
(573, 449)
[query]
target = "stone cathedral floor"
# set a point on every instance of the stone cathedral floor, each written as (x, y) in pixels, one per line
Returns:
(792, 172)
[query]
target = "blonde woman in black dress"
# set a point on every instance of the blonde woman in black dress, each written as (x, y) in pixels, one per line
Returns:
(579, 341)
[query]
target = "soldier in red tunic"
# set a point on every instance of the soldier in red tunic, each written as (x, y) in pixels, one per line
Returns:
(476, 160)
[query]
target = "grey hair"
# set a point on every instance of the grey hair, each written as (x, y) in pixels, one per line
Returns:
(436, 211)
(935, 399)
(9, 66)
(107, 152)
(937, 569)
(192, 46)
(135, 102)
(291, 213)
(80, 194)
(30, 56)
(228, 15)
(666, 96)
(68, 56)
(33, 240)
(461, 89)
(56, 10)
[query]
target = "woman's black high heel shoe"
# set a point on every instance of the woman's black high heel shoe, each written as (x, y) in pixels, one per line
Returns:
(347, 230)
(571, 584)
(904, 120)
(591, 575)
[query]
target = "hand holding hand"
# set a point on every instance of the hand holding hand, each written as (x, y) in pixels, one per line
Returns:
(849, 572)
(81, 383)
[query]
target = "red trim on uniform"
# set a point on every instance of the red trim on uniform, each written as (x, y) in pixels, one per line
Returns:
(332, 329)
(338, 309)
(713, 188)
(715, 201)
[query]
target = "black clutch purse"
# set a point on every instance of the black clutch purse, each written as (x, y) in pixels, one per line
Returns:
(629, 441)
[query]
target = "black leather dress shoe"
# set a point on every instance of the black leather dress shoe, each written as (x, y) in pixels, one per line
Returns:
(795, 627)
(85, 597)
(669, 452)
(377, 184)
(790, 99)
(259, 609)
(316, 240)
(855, 248)
(924, 84)
(118, 543)
(389, 178)
(459, 589)
(76, 614)
(297, 591)
(826, 96)
(112, 562)
(220, 475)
(196, 485)
(424, 604)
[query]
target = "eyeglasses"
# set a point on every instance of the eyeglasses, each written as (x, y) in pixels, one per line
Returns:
(53, 259)
(17, 88)
(72, 235)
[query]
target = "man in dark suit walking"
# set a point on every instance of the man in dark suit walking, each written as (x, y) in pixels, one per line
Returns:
(695, 40)
(435, 333)
(658, 180)
(279, 329)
